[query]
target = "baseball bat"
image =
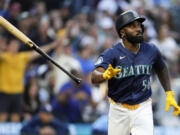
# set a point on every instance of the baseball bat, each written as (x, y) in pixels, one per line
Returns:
(23, 38)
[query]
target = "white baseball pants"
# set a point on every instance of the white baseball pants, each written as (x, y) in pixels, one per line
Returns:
(122, 121)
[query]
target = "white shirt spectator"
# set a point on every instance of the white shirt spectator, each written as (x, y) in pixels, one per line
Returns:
(167, 47)
(68, 63)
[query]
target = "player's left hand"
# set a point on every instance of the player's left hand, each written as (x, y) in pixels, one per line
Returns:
(110, 72)
(170, 101)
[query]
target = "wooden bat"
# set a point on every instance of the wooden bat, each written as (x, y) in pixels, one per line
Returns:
(22, 37)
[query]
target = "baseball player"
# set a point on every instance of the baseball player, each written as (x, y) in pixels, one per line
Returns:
(128, 66)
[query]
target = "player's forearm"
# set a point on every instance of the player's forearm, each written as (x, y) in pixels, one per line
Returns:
(97, 77)
(163, 76)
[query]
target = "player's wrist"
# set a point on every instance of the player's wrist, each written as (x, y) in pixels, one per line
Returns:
(104, 76)
(169, 93)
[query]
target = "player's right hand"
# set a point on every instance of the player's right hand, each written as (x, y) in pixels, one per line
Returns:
(170, 101)
(110, 72)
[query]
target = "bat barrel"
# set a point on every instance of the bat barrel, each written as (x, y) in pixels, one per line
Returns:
(21, 36)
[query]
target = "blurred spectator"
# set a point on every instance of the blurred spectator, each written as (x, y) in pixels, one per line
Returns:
(149, 23)
(72, 100)
(107, 24)
(3, 42)
(109, 7)
(25, 23)
(45, 124)
(162, 3)
(13, 12)
(4, 4)
(31, 101)
(56, 23)
(100, 126)
(50, 85)
(42, 38)
(63, 56)
(74, 33)
(26, 5)
(166, 44)
(40, 7)
(85, 50)
(66, 11)
(12, 68)
(108, 42)
(82, 22)
(93, 32)
(78, 5)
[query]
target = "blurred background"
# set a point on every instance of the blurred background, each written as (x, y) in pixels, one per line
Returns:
(33, 92)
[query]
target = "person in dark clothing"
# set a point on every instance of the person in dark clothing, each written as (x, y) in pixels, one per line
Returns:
(31, 98)
(45, 124)
(72, 99)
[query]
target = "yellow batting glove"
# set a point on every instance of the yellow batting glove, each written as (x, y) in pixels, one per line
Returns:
(170, 101)
(110, 72)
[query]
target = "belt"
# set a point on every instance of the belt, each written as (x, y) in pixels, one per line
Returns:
(130, 107)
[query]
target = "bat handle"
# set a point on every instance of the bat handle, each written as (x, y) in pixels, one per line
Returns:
(35, 47)
(77, 80)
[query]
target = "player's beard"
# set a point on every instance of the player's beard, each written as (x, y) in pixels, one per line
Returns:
(134, 39)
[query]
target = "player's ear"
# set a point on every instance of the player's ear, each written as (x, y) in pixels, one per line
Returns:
(122, 33)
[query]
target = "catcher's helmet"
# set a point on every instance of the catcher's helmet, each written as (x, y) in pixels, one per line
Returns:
(126, 18)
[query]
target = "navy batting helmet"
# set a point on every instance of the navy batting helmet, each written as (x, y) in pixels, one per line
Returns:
(126, 18)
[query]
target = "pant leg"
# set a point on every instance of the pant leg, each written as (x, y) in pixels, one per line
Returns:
(5, 101)
(118, 120)
(16, 103)
(142, 120)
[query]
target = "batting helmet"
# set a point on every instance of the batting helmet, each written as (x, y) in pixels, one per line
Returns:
(126, 18)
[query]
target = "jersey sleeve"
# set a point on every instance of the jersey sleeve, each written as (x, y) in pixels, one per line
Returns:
(104, 59)
(159, 62)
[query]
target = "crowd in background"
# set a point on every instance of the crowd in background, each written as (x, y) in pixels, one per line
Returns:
(74, 33)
